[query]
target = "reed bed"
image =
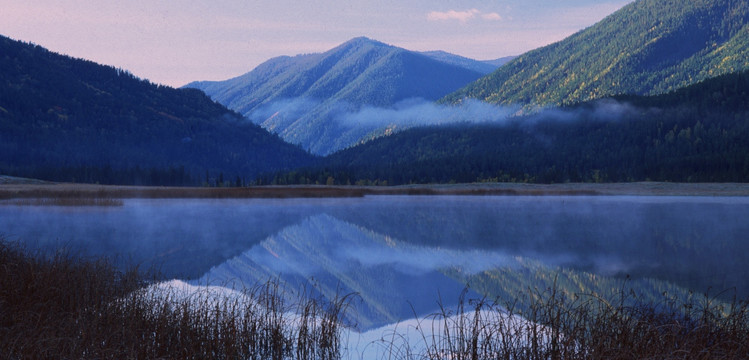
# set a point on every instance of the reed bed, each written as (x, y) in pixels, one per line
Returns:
(586, 326)
(63, 307)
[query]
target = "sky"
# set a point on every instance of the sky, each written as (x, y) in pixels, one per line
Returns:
(174, 42)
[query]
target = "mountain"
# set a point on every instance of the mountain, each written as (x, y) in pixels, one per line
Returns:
(695, 134)
(68, 119)
(484, 67)
(499, 62)
(647, 47)
(309, 99)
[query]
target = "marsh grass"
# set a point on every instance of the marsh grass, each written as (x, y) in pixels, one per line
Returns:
(66, 307)
(63, 307)
(586, 326)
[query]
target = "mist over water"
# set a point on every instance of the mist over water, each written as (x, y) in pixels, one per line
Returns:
(401, 253)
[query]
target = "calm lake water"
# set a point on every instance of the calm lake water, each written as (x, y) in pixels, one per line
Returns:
(402, 254)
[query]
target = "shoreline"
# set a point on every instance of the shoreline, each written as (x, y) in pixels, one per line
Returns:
(37, 190)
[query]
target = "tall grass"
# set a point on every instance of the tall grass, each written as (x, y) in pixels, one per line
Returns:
(586, 326)
(63, 307)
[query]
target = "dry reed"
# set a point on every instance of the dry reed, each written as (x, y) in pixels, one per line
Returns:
(586, 326)
(62, 307)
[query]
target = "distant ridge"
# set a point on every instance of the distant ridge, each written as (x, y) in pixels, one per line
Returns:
(484, 67)
(499, 62)
(299, 97)
(647, 47)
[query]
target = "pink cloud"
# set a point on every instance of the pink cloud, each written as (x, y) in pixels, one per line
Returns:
(462, 16)
(491, 16)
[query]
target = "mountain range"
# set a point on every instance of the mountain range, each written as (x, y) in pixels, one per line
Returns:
(638, 96)
(648, 47)
(311, 99)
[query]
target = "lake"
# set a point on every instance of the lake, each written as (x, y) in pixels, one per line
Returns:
(403, 255)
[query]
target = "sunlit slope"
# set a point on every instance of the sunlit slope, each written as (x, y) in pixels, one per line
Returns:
(647, 47)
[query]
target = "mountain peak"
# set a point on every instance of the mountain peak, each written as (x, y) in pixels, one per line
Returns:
(304, 99)
(361, 42)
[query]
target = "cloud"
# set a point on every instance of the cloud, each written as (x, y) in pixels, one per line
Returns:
(491, 16)
(419, 112)
(462, 16)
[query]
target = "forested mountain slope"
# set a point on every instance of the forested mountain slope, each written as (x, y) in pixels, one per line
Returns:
(647, 47)
(68, 119)
(696, 134)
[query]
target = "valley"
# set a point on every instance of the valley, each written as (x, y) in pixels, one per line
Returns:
(368, 199)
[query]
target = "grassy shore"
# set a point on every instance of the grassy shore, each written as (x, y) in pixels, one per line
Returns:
(81, 194)
(64, 307)
(583, 327)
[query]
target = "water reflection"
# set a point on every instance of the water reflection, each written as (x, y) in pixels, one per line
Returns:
(393, 280)
(402, 254)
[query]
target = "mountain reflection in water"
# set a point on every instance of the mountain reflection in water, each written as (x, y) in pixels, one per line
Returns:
(402, 255)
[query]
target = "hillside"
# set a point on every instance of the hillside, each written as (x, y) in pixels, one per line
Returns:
(309, 99)
(68, 119)
(647, 47)
(500, 62)
(484, 67)
(696, 134)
